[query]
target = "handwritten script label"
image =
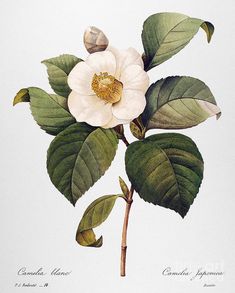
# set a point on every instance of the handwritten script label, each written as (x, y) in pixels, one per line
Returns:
(205, 275)
(42, 272)
(25, 275)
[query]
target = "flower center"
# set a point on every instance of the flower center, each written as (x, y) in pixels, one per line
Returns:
(107, 87)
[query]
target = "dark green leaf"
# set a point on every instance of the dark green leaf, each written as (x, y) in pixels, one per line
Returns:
(178, 102)
(49, 111)
(21, 96)
(78, 157)
(58, 69)
(165, 34)
(96, 213)
(166, 170)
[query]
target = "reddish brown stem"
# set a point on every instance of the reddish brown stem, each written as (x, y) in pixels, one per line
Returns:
(123, 138)
(124, 233)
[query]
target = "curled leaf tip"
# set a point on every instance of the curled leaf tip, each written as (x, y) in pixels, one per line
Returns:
(218, 115)
(87, 238)
(96, 213)
(209, 29)
(21, 96)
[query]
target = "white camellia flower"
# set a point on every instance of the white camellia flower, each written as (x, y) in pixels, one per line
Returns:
(108, 88)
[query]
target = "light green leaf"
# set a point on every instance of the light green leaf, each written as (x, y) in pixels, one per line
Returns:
(58, 69)
(21, 96)
(49, 111)
(96, 213)
(178, 102)
(78, 157)
(166, 170)
(165, 34)
(124, 187)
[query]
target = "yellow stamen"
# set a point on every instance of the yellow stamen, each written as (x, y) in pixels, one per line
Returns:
(107, 87)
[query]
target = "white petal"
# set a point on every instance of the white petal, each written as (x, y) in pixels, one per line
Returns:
(114, 122)
(80, 79)
(130, 106)
(125, 58)
(102, 62)
(135, 78)
(89, 109)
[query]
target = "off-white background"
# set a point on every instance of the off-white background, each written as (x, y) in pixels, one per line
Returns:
(38, 225)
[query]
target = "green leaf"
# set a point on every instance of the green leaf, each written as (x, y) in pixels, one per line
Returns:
(21, 96)
(124, 187)
(178, 102)
(165, 34)
(96, 213)
(137, 128)
(49, 111)
(78, 157)
(58, 69)
(166, 170)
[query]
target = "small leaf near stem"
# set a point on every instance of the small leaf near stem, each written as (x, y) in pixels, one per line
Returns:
(137, 128)
(124, 187)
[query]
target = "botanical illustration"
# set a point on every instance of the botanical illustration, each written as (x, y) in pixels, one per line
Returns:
(96, 96)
